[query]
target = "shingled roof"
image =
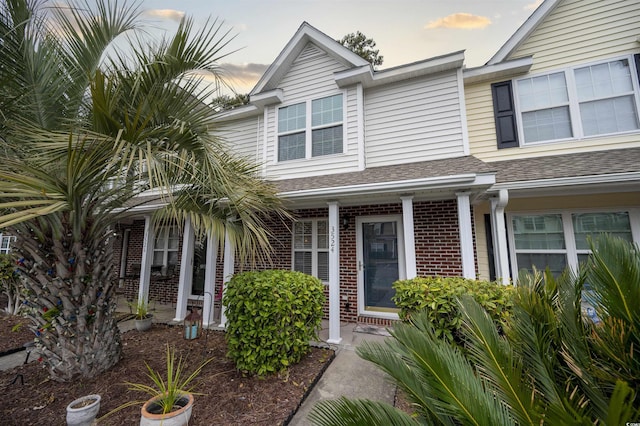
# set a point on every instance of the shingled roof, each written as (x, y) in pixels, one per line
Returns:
(402, 172)
(568, 165)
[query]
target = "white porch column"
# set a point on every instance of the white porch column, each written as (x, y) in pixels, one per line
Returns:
(499, 233)
(146, 260)
(334, 273)
(466, 235)
(210, 280)
(227, 271)
(409, 237)
(186, 271)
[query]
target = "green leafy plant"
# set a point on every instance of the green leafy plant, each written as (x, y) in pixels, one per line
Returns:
(141, 309)
(272, 316)
(10, 284)
(168, 390)
(438, 295)
(552, 365)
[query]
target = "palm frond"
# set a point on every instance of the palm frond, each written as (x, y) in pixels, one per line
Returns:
(431, 372)
(359, 412)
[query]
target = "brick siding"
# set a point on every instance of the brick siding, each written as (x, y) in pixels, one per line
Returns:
(436, 241)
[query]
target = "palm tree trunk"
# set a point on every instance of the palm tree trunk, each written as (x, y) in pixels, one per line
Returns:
(70, 305)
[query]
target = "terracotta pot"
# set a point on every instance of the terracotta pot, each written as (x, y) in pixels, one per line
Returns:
(144, 324)
(83, 411)
(179, 417)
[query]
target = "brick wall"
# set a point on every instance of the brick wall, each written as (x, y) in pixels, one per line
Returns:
(161, 289)
(436, 238)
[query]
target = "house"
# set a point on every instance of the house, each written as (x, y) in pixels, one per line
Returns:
(428, 168)
(555, 113)
(375, 166)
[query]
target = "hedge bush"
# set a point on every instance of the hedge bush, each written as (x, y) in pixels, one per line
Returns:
(437, 296)
(271, 317)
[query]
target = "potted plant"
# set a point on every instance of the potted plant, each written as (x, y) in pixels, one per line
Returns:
(171, 398)
(82, 411)
(143, 318)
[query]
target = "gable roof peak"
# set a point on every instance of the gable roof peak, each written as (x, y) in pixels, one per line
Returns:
(305, 34)
(525, 30)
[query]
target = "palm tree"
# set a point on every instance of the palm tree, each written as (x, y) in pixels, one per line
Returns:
(554, 365)
(86, 128)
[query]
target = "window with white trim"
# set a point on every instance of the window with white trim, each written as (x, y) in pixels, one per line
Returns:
(582, 101)
(5, 243)
(311, 129)
(311, 247)
(165, 246)
(558, 240)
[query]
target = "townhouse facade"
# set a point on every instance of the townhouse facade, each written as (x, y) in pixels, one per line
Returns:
(555, 113)
(429, 168)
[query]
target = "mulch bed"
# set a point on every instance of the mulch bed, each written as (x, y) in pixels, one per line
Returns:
(229, 398)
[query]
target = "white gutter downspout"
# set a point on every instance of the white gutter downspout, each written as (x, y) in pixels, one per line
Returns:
(499, 233)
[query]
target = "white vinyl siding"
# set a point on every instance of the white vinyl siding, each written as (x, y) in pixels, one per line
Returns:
(311, 77)
(243, 137)
(412, 121)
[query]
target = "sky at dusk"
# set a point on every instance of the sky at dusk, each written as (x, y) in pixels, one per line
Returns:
(405, 30)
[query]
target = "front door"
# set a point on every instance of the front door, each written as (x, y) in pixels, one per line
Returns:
(380, 263)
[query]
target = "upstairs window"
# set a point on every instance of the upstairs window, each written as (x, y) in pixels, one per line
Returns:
(544, 104)
(584, 101)
(311, 129)
(606, 98)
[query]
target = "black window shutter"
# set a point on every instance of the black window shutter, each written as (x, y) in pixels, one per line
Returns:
(505, 114)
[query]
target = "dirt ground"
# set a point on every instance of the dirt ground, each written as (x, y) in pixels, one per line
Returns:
(228, 397)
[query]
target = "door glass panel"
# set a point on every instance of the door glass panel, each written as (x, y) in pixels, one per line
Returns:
(380, 261)
(199, 267)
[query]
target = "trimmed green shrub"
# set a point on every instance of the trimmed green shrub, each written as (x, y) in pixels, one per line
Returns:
(271, 317)
(438, 295)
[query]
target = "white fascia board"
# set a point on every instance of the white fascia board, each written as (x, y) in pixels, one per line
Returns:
(524, 31)
(502, 70)
(267, 98)
(568, 181)
(237, 113)
(306, 33)
(370, 78)
(467, 180)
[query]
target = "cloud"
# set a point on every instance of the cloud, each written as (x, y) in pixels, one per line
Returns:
(244, 73)
(170, 14)
(534, 5)
(461, 20)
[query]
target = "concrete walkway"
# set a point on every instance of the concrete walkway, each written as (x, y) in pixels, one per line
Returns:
(348, 375)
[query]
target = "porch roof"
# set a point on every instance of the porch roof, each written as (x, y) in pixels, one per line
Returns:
(617, 169)
(384, 174)
(436, 179)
